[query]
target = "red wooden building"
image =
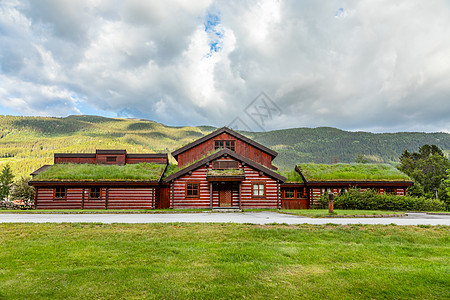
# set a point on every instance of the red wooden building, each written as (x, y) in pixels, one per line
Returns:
(223, 169)
(366, 176)
(102, 193)
(225, 179)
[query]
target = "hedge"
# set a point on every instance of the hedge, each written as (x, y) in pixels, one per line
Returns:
(371, 200)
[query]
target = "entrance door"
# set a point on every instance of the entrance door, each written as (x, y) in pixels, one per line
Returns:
(225, 195)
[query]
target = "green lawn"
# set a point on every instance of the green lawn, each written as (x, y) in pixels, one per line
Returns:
(317, 213)
(223, 261)
(102, 211)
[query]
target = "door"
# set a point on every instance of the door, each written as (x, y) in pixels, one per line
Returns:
(225, 195)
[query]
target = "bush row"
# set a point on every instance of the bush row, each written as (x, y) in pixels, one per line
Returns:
(371, 200)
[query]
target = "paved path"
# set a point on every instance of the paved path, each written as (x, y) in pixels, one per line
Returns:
(208, 217)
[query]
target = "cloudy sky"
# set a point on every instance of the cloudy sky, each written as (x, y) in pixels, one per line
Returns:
(378, 65)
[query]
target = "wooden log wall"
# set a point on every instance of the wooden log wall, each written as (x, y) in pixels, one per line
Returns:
(131, 198)
(247, 199)
(115, 198)
(45, 199)
(178, 197)
(94, 203)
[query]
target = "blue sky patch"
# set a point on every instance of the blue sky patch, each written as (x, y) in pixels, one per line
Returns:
(215, 32)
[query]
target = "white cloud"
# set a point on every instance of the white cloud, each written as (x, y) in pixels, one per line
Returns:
(377, 65)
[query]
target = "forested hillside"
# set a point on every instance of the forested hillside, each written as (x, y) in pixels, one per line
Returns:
(331, 145)
(29, 142)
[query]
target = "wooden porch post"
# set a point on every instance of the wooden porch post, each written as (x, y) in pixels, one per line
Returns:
(210, 195)
(153, 198)
(82, 198)
(240, 191)
(106, 198)
(172, 198)
(278, 194)
(36, 197)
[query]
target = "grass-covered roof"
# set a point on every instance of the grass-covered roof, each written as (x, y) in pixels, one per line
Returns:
(352, 172)
(291, 176)
(92, 172)
(226, 172)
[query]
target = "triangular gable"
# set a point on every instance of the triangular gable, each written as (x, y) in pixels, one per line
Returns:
(230, 132)
(219, 154)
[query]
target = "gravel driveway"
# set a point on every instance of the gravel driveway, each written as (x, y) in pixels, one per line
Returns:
(209, 217)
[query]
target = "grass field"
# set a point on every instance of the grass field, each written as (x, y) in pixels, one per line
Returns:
(317, 213)
(314, 213)
(223, 261)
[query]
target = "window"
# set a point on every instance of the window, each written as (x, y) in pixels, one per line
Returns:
(288, 193)
(192, 190)
(111, 158)
(294, 193)
(95, 193)
(60, 193)
(258, 189)
(224, 144)
(301, 193)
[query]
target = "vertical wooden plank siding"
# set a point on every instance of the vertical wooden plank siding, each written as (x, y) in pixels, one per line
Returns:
(241, 148)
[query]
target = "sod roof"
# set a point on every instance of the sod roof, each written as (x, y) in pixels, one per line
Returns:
(291, 176)
(92, 172)
(351, 172)
(226, 172)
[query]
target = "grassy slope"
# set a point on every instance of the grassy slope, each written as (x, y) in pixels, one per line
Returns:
(223, 261)
(328, 145)
(29, 142)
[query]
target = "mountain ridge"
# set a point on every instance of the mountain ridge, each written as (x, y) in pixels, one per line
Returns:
(29, 142)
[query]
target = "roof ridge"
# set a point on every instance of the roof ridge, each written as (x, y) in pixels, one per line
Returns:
(229, 131)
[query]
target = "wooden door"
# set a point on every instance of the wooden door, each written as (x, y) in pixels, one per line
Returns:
(225, 196)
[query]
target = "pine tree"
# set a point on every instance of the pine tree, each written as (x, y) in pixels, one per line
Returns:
(6, 178)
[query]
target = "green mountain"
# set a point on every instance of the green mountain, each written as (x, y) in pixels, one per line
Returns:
(29, 142)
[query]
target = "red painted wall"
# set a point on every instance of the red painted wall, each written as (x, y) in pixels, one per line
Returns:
(178, 199)
(45, 199)
(241, 148)
(118, 198)
(75, 160)
(157, 160)
(102, 159)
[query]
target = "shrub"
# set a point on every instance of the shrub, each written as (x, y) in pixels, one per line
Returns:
(371, 200)
(22, 193)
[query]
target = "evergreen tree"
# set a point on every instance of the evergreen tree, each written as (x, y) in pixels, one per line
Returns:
(428, 168)
(6, 178)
